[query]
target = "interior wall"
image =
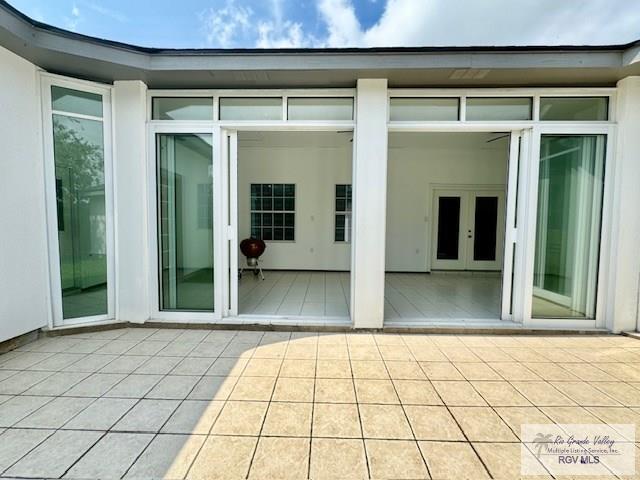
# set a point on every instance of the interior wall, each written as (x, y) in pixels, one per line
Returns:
(315, 162)
(418, 161)
(24, 283)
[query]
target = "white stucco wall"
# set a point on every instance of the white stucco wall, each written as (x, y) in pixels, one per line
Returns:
(24, 286)
(624, 277)
(315, 168)
(417, 162)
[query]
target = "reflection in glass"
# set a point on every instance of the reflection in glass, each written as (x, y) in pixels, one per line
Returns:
(486, 228)
(182, 108)
(574, 108)
(75, 101)
(568, 226)
(484, 108)
(251, 108)
(319, 108)
(80, 195)
(185, 221)
(423, 109)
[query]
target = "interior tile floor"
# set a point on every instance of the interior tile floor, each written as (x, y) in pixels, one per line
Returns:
(408, 296)
(202, 404)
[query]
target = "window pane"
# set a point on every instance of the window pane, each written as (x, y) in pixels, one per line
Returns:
(75, 101)
(186, 248)
(182, 108)
(485, 228)
(268, 211)
(568, 226)
(574, 108)
(251, 108)
(82, 230)
(423, 109)
(448, 228)
(320, 108)
(499, 108)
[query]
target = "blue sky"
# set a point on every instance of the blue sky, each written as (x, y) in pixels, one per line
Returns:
(343, 23)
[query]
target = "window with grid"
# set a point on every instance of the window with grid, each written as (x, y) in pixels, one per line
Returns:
(273, 208)
(343, 213)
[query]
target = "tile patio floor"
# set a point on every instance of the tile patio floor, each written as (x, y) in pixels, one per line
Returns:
(200, 404)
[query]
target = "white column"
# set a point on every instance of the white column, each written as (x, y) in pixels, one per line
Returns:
(370, 204)
(622, 305)
(131, 215)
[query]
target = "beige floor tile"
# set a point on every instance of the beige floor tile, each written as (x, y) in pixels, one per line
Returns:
(482, 424)
(167, 456)
(364, 352)
(228, 366)
(441, 371)
(294, 390)
(253, 388)
(147, 416)
(286, 419)
(111, 457)
(240, 418)
(371, 369)
(588, 373)
(301, 352)
(223, 458)
(584, 394)
(514, 371)
(193, 417)
(542, 394)
(262, 367)
(491, 354)
(500, 394)
(405, 370)
(101, 414)
(375, 391)
(395, 352)
(569, 415)
(617, 415)
(281, 458)
(429, 353)
(622, 392)
(384, 421)
(55, 413)
(15, 443)
(294, 368)
(433, 423)
(515, 417)
(459, 354)
(53, 457)
(213, 388)
(503, 460)
(550, 371)
(338, 420)
(416, 392)
(394, 459)
(458, 393)
(338, 459)
(452, 461)
(477, 371)
(333, 352)
(334, 390)
(173, 387)
(333, 369)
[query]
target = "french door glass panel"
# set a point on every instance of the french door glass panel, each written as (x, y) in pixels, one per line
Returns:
(78, 148)
(570, 189)
(448, 228)
(486, 228)
(185, 221)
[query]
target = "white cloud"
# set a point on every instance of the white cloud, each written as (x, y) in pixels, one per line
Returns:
(224, 26)
(71, 22)
(427, 23)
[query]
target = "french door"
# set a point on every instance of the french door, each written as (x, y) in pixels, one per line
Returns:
(468, 231)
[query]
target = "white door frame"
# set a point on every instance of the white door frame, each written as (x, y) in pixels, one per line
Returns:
(182, 316)
(46, 82)
(466, 192)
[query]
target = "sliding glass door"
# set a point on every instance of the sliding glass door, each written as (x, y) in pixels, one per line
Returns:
(184, 179)
(78, 179)
(569, 213)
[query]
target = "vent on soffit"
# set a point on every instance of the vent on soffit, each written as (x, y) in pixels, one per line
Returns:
(469, 73)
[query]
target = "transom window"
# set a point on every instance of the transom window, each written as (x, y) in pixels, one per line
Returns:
(343, 213)
(273, 207)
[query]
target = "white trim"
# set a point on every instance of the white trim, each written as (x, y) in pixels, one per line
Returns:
(46, 82)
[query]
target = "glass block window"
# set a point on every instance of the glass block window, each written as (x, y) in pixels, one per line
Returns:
(343, 213)
(273, 211)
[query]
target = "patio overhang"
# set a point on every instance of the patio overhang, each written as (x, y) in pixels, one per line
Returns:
(68, 53)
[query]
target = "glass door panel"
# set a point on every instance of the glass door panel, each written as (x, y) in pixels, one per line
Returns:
(570, 189)
(486, 225)
(185, 221)
(448, 244)
(78, 148)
